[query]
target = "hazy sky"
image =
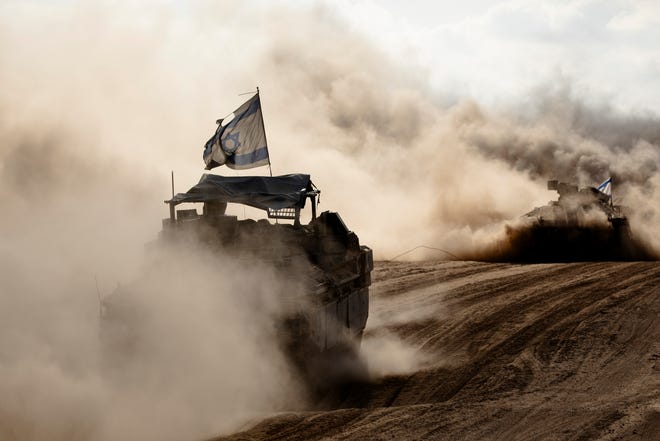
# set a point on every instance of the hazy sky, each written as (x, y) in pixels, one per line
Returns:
(494, 50)
(497, 50)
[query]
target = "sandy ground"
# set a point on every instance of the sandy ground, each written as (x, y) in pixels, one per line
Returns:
(514, 352)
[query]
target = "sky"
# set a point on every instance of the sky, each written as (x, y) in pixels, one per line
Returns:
(499, 50)
(606, 48)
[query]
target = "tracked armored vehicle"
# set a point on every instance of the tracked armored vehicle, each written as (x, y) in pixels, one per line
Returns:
(323, 254)
(581, 225)
(575, 207)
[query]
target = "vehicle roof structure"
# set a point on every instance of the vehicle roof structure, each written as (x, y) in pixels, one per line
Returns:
(263, 192)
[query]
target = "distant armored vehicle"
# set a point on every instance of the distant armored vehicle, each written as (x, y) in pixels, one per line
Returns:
(324, 254)
(582, 225)
(579, 208)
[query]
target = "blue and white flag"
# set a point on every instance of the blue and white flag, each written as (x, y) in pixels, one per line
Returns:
(241, 143)
(606, 187)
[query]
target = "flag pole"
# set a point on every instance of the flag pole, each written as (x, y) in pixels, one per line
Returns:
(270, 169)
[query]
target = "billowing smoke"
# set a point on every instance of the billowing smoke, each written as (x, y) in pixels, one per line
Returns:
(186, 351)
(409, 167)
(380, 142)
(100, 102)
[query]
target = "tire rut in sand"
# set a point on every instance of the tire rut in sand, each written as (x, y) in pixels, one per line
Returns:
(559, 351)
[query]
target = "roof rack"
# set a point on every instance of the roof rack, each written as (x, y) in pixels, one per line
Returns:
(283, 213)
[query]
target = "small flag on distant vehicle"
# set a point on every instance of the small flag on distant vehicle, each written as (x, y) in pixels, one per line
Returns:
(606, 187)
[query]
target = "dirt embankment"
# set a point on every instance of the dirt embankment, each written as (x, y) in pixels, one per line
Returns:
(514, 352)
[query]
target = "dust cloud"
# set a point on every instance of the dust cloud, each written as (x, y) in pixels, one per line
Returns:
(404, 163)
(101, 101)
(200, 355)
(412, 166)
(386, 354)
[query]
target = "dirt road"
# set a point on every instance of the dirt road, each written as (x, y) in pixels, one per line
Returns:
(513, 352)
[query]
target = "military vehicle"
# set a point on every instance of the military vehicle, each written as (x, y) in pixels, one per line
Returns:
(575, 207)
(323, 254)
(581, 225)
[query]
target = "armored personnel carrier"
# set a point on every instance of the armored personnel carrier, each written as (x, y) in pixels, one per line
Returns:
(575, 207)
(323, 254)
(581, 225)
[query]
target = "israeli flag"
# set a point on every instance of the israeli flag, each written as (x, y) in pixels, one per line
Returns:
(606, 187)
(241, 143)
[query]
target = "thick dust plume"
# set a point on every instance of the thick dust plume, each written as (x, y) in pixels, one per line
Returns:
(208, 359)
(530, 242)
(405, 164)
(408, 166)
(201, 356)
(82, 190)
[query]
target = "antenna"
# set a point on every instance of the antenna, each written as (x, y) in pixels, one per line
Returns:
(172, 183)
(98, 295)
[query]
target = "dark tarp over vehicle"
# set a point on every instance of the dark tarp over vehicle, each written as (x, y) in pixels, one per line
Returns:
(263, 192)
